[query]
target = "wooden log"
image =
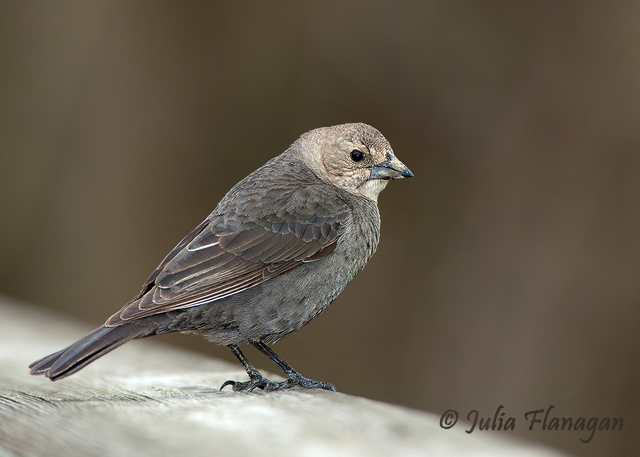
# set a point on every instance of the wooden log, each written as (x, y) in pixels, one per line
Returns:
(147, 398)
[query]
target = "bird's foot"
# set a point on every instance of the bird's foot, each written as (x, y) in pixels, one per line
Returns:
(296, 379)
(252, 383)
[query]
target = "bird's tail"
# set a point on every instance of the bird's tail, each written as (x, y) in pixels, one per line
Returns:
(84, 351)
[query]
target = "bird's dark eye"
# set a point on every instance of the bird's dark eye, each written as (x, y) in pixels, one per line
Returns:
(356, 155)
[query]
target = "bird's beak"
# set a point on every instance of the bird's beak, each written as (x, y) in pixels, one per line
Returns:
(390, 169)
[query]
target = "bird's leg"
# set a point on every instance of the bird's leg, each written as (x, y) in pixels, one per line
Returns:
(295, 378)
(255, 378)
(257, 381)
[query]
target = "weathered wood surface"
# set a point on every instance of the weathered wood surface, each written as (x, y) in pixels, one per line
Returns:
(150, 399)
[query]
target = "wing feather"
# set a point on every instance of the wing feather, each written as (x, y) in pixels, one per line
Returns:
(229, 253)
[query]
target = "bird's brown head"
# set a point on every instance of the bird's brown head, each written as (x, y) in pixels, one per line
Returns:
(354, 157)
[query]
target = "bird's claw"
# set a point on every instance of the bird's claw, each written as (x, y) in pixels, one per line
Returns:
(296, 379)
(269, 386)
(228, 383)
(247, 385)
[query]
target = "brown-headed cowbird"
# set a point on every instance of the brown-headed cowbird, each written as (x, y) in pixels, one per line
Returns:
(277, 250)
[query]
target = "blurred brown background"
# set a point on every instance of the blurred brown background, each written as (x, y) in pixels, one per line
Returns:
(508, 268)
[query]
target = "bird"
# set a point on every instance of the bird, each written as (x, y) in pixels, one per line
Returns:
(278, 248)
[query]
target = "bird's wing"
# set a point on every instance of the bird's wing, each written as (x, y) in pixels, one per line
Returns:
(220, 258)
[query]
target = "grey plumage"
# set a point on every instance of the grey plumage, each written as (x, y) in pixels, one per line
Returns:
(277, 250)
